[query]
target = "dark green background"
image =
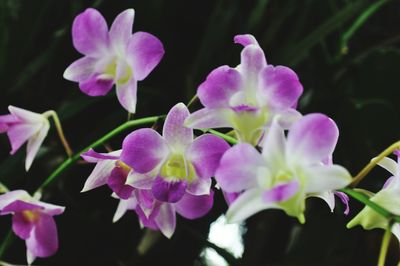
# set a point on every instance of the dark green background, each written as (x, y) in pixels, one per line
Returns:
(359, 89)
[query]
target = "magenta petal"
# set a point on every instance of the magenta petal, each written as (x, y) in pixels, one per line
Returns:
(43, 240)
(147, 221)
(116, 182)
(19, 206)
(90, 33)
(143, 150)
(145, 198)
(280, 87)
(205, 154)
(281, 192)
(21, 226)
(231, 197)
(219, 86)
(175, 133)
(245, 39)
(80, 70)
(9, 197)
(94, 157)
(144, 53)
(6, 121)
(20, 133)
(345, 200)
(192, 207)
(312, 138)
(238, 168)
(168, 191)
(95, 86)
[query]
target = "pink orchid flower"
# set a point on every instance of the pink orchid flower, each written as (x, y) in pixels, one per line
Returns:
(112, 57)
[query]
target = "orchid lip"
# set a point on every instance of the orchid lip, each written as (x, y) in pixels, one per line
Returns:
(244, 108)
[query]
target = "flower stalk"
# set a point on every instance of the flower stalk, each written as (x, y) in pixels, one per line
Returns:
(67, 163)
(385, 245)
(360, 176)
(57, 123)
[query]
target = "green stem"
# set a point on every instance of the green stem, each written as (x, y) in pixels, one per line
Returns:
(364, 199)
(67, 163)
(6, 242)
(385, 245)
(360, 176)
(358, 23)
(229, 139)
(60, 131)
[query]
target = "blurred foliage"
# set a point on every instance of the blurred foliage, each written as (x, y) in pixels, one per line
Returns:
(346, 53)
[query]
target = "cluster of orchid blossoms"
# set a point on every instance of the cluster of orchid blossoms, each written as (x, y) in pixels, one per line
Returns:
(279, 157)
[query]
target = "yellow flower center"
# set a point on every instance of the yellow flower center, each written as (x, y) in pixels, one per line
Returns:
(176, 167)
(31, 216)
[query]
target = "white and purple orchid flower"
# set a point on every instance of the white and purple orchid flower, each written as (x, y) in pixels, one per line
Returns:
(25, 126)
(127, 185)
(114, 56)
(388, 197)
(286, 172)
(248, 97)
(33, 222)
(173, 164)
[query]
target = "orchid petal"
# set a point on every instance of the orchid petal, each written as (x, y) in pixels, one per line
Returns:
(274, 147)
(80, 70)
(219, 86)
(205, 154)
(96, 85)
(175, 133)
(166, 220)
(193, 207)
(90, 33)
(34, 144)
(19, 206)
(99, 175)
(252, 62)
(389, 164)
(320, 178)
(116, 182)
(345, 200)
(25, 115)
(123, 207)
(238, 168)
(127, 95)
(144, 53)
(121, 30)
(210, 118)
(247, 204)
(280, 87)
(312, 139)
(245, 39)
(20, 133)
(281, 192)
(140, 181)
(11, 196)
(326, 196)
(21, 226)
(92, 156)
(144, 150)
(200, 186)
(43, 240)
(168, 191)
